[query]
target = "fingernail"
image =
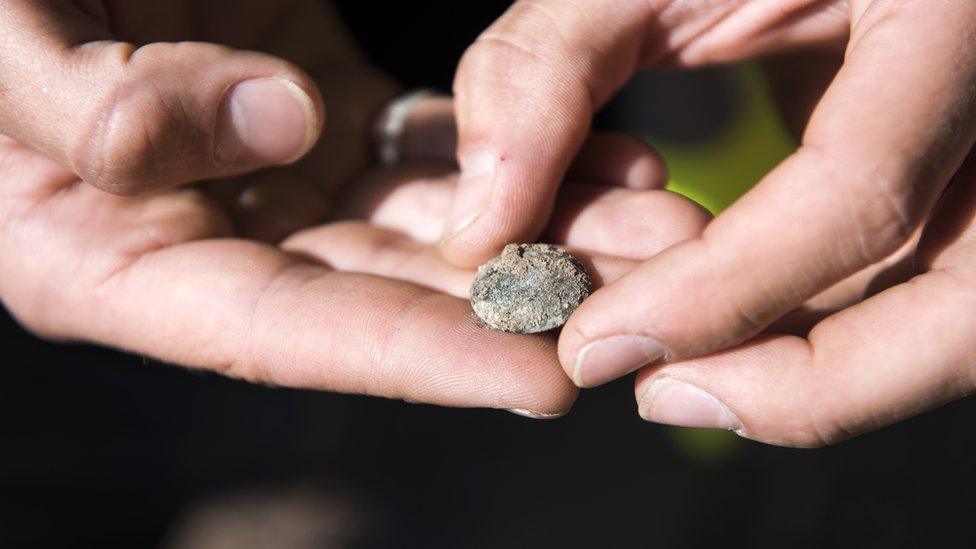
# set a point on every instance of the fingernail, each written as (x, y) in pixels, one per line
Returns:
(264, 121)
(674, 402)
(607, 359)
(535, 415)
(473, 191)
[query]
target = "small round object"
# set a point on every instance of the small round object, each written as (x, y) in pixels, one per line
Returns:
(529, 288)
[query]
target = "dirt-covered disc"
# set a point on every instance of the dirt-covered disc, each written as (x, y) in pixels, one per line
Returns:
(529, 288)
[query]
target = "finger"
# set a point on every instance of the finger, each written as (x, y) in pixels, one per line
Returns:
(719, 32)
(525, 93)
(861, 368)
(130, 119)
(430, 135)
(611, 158)
(874, 160)
(906, 350)
(895, 269)
(622, 222)
(356, 246)
(268, 206)
(252, 312)
(411, 199)
(527, 88)
(900, 353)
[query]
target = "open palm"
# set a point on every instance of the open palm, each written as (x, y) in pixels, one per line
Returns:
(165, 275)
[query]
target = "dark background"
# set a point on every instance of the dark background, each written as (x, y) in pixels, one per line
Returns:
(104, 449)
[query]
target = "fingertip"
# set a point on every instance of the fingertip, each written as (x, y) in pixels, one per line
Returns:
(266, 121)
(674, 402)
(606, 359)
(612, 158)
(694, 219)
(624, 222)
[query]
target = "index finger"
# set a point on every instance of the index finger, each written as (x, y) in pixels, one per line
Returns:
(882, 144)
(525, 93)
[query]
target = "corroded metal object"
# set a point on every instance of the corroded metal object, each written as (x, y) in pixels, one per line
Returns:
(529, 288)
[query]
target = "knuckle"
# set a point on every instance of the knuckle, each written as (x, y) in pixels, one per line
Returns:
(735, 317)
(108, 156)
(528, 32)
(497, 54)
(886, 223)
(882, 202)
(134, 137)
(242, 358)
(390, 378)
(523, 65)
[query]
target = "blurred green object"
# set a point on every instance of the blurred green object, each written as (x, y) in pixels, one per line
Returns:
(717, 171)
(705, 447)
(714, 173)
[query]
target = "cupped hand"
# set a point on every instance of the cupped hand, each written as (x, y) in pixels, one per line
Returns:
(363, 304)
(886, 140)
(102, 239)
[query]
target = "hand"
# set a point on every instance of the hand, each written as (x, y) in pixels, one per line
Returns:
(885, 140)
(190, 274)
(164, 275)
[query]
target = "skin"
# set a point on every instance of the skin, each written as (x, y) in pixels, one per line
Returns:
(131, 213)
(860, 242)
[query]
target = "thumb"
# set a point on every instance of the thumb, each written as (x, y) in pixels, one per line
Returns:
(130, 120)
(525, 94)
